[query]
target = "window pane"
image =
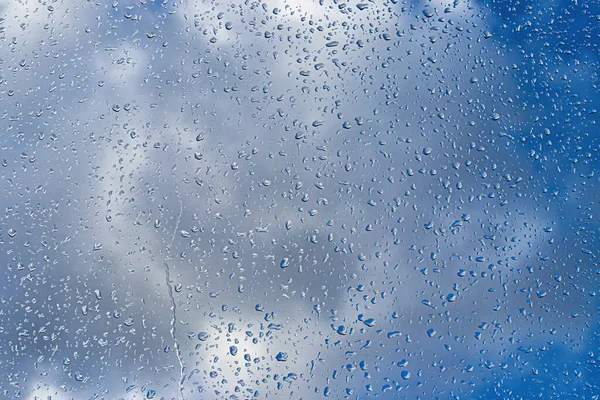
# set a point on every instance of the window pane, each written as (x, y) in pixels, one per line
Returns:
(299, 199)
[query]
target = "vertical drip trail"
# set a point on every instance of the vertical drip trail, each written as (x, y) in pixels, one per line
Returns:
(170, 292)
(173, 332)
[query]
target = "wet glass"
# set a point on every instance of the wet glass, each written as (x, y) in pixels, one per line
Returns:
(299, 199)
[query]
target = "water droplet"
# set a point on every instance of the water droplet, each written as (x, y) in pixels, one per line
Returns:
(369, 322)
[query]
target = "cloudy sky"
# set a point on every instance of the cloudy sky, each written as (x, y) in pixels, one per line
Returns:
(299, 199)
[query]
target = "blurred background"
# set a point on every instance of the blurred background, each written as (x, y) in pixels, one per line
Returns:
(299, 199)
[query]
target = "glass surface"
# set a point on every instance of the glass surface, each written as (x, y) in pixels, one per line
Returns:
(299, 199)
